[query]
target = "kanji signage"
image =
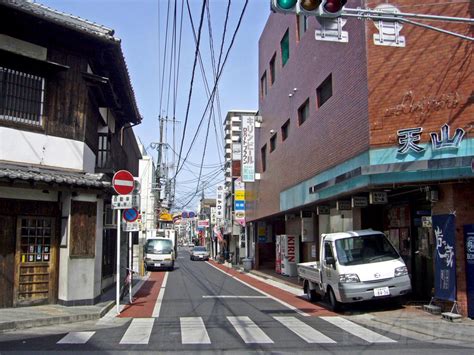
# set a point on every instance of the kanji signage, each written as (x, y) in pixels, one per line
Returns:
(220, 202)
(122, 202)
(248, 148)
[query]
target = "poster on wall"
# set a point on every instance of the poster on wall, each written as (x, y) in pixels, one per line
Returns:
(469, 249)
(445, 257)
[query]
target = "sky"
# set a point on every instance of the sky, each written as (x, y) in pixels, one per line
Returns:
(141, 26)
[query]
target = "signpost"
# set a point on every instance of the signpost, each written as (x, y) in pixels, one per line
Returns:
(123, 183)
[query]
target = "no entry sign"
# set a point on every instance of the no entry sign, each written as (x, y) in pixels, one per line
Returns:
(123, 182)
(130, 215)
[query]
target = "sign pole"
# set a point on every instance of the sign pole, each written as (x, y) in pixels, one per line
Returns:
(119, 221)
(130, 264)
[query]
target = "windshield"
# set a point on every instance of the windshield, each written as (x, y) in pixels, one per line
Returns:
(365, 249)
(158, 246)
(199, 249)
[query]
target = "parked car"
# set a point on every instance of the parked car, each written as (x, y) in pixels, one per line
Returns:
(159, 253)
(199, 253)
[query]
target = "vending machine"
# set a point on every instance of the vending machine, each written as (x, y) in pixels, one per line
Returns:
(289, 254)
(278, 254)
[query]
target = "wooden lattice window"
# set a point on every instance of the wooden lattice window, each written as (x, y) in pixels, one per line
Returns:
(35, 240)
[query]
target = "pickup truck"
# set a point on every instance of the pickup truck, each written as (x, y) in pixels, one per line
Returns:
(355, 266)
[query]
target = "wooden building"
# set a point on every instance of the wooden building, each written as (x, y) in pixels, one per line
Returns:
(66, 109)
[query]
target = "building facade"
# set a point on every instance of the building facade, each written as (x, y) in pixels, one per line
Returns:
(356, 135)
(66, 109)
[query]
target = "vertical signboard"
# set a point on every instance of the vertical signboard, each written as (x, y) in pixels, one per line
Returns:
(445, 257)
(220, 202)
(248, 148)
(239, 201)
(469, 247)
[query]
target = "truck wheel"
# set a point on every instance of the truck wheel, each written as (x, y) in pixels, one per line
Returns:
(333, 302)
(311, 295)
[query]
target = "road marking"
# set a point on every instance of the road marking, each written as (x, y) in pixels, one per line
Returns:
(304, 314)
(76, 338)
(249, 331)
(230, 296)
(138, 331)
(193, 331)
(358, 330)
(159, 300)
(304, 331)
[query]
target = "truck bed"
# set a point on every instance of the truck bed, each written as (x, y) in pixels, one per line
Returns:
(310, 271)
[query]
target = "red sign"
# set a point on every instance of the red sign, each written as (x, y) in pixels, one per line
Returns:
(123, 182)
(291, 249)
(130, 215)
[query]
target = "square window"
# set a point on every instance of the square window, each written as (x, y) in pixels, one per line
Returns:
(303, 112)
(285, 130)
(324, 91)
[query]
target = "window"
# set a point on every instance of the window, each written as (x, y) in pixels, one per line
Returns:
(103, 153)
(272, 69)
(303, 112)
(285, 48)
(263, 153)
(285, 130)
(263, 85)
(36, 234)
(273, 140)
(302, 25)
(324, 91)
(21, 96)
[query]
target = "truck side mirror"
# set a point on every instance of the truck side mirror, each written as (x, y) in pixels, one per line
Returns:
(331, 261)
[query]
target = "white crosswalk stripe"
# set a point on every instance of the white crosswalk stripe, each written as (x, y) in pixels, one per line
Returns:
(193, 331)
(249, 331)
(138, 331)
(76, 338)
(358, 330)
(304, 331)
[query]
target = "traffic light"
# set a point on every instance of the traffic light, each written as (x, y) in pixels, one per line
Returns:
(319, 8)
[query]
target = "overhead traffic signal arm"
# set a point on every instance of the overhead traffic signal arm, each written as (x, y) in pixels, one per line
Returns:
(319, 8)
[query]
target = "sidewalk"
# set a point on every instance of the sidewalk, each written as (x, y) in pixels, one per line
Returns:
(38, 316)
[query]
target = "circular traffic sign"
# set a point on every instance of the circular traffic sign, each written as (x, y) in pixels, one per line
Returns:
(123, 182)
(130, 214)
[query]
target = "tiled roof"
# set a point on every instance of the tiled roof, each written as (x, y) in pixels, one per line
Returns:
(49, 176)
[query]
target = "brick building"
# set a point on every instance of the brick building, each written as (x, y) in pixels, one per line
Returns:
(340, 130)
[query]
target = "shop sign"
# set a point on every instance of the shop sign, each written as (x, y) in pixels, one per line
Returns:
(239, 205)
(236, 151)
(359, 201)
(248, 148)
(378, 198)
(213, 216)
(445, 260)
(343, 205)
(220, 202)
(239, 195)
(240, 217)
(469, 248)
(426, 222)
(323, 209)
(291, 251)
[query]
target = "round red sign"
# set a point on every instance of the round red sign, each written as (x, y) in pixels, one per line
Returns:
(123, 182)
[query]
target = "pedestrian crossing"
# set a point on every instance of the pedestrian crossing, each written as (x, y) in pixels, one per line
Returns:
(193, 331)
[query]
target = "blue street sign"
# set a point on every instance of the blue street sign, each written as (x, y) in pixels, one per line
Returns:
(130, 215)
(239, 205)
(192, 215)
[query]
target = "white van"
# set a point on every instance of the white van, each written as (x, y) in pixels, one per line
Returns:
(159, 253)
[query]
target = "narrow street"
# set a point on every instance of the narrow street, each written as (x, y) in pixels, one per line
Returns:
(197, 307)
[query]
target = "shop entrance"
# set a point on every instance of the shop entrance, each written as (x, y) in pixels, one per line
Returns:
(7, 260)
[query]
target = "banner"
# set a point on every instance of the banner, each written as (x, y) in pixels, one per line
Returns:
(445, 257)
(248, 148)
(469, 247)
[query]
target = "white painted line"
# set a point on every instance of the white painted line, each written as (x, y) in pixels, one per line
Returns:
(249, 331)
(304, 331)
(193, 331)
(230, 296)
(159, 300)
(124, 182)
(304, 314)
(357, 330)
(138, 331)
(76, 338)
(297, 291)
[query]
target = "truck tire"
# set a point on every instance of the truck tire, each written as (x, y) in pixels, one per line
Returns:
(311, 295)
(334, 304)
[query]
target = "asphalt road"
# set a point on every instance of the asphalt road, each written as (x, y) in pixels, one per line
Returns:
(206, 310)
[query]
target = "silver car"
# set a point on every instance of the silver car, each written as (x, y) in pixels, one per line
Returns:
(199, 253)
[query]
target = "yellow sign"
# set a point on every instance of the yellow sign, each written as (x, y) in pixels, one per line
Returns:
(239, 195)
(165, 216)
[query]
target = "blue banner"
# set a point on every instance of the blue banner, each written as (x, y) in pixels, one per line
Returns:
(469, 247)
(445, 257)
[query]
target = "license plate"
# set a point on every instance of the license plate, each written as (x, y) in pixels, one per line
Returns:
(381, 291)
(201, 256)
(157, 264)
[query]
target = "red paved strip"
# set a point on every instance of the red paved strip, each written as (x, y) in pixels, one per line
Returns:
(295, 301)
(145, 299)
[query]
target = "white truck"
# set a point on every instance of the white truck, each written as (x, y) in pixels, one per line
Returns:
(355, 266)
